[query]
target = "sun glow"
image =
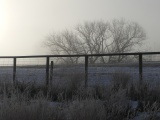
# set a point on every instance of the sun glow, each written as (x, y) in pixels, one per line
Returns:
(2, 18)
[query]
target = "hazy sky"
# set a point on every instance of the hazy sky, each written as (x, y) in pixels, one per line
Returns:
(24, 24)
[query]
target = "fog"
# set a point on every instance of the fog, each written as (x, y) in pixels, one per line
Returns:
(25, 24)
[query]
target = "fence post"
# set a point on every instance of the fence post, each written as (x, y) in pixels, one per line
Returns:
(86, 71)
(14, 71)
(140, 68)
(47, 71)
(51, 72)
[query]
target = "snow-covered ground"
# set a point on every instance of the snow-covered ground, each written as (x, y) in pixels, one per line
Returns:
(96, 75)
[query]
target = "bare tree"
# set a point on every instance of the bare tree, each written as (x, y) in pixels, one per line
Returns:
(65, 42)
(94, 36)
(126, 37)
(98, 37)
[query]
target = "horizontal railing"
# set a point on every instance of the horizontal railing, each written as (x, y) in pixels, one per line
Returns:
(82, 55)
(86, 56)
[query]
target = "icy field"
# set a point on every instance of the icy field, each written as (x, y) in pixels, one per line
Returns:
(96, 75)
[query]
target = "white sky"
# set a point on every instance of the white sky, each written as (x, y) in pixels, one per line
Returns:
(24, 24)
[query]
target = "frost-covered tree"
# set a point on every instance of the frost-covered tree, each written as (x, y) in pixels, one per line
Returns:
(98, 37)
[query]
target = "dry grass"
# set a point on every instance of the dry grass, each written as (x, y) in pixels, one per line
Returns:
(89, 109)
(66, 87)
(22, 110)
(120, 80)
(108, 102)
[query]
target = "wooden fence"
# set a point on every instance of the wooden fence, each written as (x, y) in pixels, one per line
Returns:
(140, 54)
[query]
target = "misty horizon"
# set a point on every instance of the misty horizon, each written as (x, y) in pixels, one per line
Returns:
(24, 25)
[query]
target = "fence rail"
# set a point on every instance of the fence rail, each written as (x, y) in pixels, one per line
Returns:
(86, 56)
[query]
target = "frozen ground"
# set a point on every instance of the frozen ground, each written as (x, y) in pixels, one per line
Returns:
(96, 75)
